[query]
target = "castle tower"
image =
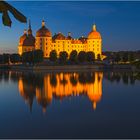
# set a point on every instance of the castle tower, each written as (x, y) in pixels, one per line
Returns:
(26, 41)
(21, 40)
(44, 40)
(94, 42)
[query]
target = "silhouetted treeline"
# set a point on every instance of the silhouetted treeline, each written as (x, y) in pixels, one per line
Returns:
(74, 58)
(31, 57)
(122, 56)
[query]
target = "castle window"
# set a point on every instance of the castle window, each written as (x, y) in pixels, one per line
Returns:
(46, 43)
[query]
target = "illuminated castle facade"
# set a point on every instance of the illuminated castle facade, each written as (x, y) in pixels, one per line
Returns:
(46, 42)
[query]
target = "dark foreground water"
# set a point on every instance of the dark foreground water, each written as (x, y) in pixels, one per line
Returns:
(70, 105)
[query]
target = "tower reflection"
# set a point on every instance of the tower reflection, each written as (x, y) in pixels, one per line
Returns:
(60, 85)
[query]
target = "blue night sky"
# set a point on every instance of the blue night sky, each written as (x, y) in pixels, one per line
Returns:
(118, 22)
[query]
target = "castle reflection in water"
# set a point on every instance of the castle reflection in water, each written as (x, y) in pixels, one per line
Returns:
(44, 88)
(60, 85)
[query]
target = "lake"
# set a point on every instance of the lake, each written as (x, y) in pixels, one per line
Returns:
(69, 105)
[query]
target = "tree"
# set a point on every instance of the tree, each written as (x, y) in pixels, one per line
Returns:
(5, 8)
(5, 58)
(37, 56)
(125, 57)
(15, 58)
(32, 57)
(131, 56)
(63, 56)
(117, 57)
(90, 56)
(82, 56)
(27, 57)
(73, 56)
(1, 59)
(53, 56)
(98, 57)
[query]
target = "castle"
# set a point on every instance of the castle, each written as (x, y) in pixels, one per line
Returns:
(46, 42)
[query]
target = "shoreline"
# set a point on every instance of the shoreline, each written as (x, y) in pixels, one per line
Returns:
(70, 68)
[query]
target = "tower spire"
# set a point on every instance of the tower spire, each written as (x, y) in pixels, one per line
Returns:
(29, 29)
(43, 23)
(94, 27)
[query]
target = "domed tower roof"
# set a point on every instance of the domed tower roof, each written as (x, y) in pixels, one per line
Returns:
(94, 34)
(29, 41)
(22, 38)
(59, 36)
(43, 31)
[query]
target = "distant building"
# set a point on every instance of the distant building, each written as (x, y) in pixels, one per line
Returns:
(46, 42)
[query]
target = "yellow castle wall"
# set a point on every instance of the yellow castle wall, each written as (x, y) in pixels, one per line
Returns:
(46, 45)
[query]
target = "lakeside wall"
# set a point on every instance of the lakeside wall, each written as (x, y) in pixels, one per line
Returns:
(98, 67)
(72, 68)
(64, 68)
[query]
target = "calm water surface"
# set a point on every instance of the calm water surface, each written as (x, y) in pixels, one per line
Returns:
(69, 105)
